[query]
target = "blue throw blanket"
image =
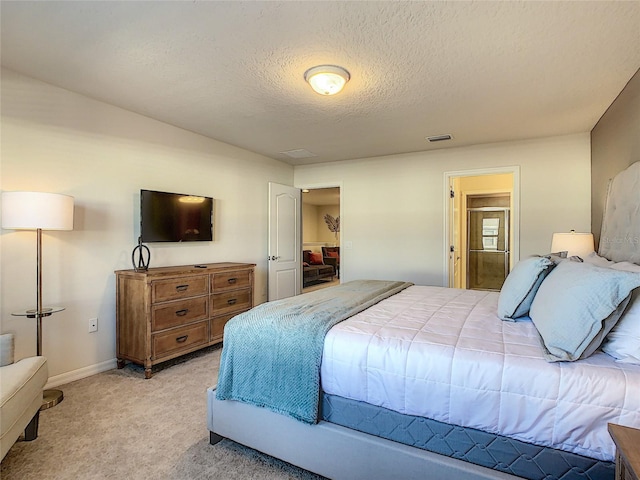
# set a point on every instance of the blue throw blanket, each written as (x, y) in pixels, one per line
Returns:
(272, 353)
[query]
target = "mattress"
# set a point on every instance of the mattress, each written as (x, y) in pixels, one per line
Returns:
(443, 354)
(499, 453)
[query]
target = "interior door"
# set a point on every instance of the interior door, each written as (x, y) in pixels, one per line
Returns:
(285, 213)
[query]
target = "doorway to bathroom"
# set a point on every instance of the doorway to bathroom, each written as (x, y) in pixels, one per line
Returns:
(481, 227)
(487, 249)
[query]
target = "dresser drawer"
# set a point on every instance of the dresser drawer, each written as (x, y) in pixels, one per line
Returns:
(227, 302)
(176, 288)
(217, 326)
(178, 339)
(229, 280)
(178, 313)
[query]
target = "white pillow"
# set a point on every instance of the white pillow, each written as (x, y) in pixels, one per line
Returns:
(595, 259)
(626, 267)
(623, 342)
(7, 348)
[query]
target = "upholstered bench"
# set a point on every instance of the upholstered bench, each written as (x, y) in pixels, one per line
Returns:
(21, 386)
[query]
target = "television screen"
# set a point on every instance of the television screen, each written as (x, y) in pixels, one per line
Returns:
(174, 217)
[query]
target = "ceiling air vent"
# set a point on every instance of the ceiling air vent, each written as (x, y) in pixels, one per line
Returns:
(299, 153)
(439, 138)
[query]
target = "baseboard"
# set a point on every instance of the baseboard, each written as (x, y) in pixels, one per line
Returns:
(80, 373)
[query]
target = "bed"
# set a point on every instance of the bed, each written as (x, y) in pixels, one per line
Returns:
(429, 382)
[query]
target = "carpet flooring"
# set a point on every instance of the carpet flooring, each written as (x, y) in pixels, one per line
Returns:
(117, 425)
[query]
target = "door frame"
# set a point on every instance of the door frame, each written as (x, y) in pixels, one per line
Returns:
(448, 221)
(316, 186)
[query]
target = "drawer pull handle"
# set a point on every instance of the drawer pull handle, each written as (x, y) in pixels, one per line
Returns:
(232, 301)
(182, 339)
(183, 312)
(182, 288)
(232, 281)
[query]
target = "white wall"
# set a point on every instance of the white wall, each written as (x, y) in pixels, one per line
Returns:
(57, 141)
(392, 223)
(392, 213)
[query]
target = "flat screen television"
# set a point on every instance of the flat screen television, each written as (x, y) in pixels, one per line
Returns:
(174, 217)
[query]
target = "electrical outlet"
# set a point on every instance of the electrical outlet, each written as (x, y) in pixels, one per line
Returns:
(93, 325)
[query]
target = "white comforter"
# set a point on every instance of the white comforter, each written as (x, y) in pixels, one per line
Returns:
(444, 354)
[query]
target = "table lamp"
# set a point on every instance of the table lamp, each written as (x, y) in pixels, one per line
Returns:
(38, 211)
(575, 244)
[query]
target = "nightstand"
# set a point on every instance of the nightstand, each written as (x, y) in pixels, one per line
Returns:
(627, 442)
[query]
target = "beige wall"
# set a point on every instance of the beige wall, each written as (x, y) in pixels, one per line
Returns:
(309, 224)
(314, 228)
(57, 141)
(400, 234)
(502, 182)
(615, 144)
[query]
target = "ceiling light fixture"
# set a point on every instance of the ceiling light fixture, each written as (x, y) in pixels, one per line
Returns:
(327, 79)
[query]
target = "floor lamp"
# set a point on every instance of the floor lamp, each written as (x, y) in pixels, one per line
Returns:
(38, 211)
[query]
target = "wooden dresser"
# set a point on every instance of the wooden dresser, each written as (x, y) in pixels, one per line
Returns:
(165, 312)
(627, 442)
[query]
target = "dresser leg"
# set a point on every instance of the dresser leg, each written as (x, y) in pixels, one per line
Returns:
(147, 373)
(620, 473)
(120, 363)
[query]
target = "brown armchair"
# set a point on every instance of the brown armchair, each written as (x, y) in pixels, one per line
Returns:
(331, 256)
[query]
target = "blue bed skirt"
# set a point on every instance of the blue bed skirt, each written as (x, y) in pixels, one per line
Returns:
(488, 450)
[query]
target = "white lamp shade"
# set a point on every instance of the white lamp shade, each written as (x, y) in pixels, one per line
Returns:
(33, 210)
(579, 244)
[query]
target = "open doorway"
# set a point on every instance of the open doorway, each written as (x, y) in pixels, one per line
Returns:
(482, 227)
(320, 238)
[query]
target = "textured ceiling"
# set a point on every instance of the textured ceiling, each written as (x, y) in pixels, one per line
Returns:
(233, 71)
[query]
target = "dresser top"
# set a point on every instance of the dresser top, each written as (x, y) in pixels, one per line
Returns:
(187, 269)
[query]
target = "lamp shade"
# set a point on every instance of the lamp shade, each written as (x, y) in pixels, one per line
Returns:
(579, 244)
(34, 210)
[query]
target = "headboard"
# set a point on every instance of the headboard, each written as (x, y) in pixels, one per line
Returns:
(620, 236)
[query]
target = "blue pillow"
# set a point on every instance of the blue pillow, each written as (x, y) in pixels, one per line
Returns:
(577, 305)
(521, 285)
